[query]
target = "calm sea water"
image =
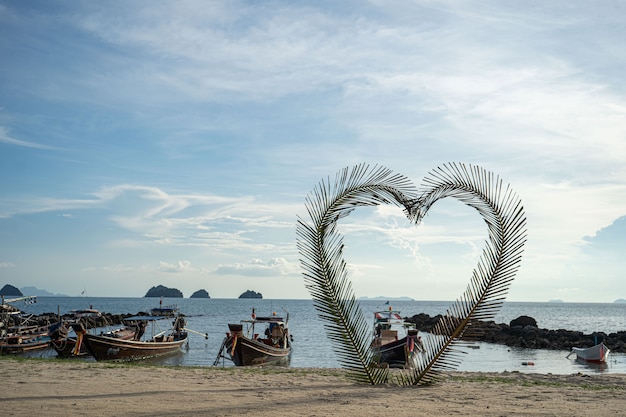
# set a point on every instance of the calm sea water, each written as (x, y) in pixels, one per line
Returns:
(313, 349)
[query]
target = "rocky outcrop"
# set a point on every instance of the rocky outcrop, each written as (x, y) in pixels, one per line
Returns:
(11, 291)
(521, 332)
(200, 294)
(162, 291)
(251, 294)
(523, 321)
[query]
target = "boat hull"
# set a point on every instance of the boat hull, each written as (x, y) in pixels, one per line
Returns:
(244, 351)
(20, 344)
(66, 347)
(397, 354)
(112, 349)
(596, 354)
(22, 339)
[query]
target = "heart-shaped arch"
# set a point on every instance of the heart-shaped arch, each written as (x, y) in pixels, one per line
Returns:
(324, 269)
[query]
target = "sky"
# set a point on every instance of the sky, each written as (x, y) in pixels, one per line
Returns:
(174, 143)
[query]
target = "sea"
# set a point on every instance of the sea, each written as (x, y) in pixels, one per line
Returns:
(312, 348)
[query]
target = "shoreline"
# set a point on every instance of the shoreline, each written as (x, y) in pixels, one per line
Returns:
(73, 388)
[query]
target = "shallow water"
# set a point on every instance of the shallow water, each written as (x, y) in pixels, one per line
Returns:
(313, 349)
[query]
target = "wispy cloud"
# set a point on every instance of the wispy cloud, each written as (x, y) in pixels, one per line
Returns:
(150, 214)
(6, 138)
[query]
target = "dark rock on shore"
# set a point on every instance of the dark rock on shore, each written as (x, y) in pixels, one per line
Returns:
(523, 321)
(11, 291)
(200, 294)
(523, 332)
(162, 291)
(251, 294)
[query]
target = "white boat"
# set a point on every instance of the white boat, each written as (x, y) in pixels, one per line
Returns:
(597, 353)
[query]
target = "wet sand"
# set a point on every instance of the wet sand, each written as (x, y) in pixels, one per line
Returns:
(73, 388)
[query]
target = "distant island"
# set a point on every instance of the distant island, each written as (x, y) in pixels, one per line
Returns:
(251, 294)
(162, 291)
(40, 293)
(200, 294)
(11, 291)
(620, 300)
(555, 301)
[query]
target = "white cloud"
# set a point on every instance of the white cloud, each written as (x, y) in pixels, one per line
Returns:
(180, 266)
(259, 267)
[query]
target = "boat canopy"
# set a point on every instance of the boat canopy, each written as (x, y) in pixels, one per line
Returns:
(388, 317)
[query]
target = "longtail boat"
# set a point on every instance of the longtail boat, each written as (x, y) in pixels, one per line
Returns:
(87, 320)
(257, 341)
(17, 334)
(21, 339)
(395, 342)
(109, 348)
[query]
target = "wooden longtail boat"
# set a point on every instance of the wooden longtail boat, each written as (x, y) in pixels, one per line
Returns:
(25, 339)
(21, 337)
(166, 311)
(67, 347)
(394, 349)
(107, 348)
(597, 354)
(65, 344)
(249, 348)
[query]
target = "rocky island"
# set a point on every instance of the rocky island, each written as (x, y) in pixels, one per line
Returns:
(200, 294)
(162, 291)
(251, 294)
(10, 290)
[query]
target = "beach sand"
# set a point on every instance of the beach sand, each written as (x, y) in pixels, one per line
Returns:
(73, 388)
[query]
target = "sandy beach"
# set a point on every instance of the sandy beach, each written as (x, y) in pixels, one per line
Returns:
(71, 388)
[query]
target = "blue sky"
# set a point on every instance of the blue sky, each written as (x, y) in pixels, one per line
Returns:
(173, 143)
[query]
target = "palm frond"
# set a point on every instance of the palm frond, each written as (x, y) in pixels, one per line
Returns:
(321, 249)
(504, 215)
